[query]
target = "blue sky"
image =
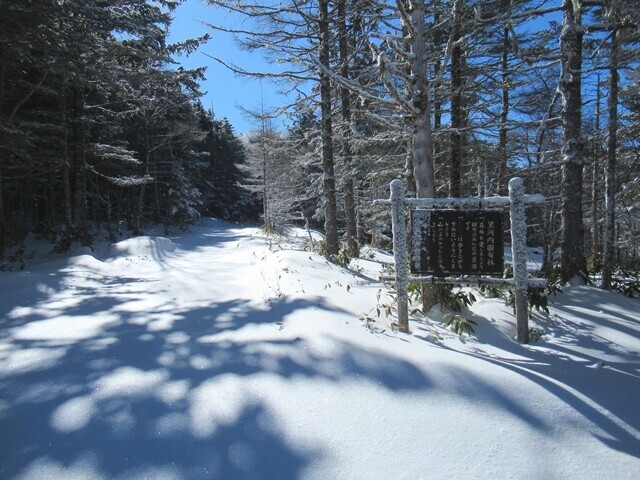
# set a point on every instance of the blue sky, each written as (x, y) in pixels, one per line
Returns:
(226, 92)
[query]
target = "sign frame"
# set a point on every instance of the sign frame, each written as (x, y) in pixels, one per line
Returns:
(515, 202)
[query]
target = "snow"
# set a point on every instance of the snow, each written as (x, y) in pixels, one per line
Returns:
(222, 353)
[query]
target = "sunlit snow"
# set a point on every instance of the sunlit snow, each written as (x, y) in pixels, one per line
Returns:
(220, 353)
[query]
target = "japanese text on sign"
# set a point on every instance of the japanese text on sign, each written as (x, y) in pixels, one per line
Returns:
(456, 242)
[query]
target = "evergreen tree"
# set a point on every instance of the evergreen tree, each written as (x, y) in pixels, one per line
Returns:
(97, 125)
(222, 177)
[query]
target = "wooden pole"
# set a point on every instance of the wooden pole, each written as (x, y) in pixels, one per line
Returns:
(520, 255)
(400, 252)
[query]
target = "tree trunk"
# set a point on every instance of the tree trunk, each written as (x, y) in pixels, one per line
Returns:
(373, 219)
(137, 225)
(360, 229)
(3, 232)
(437, 42)
(457, 120)
(350, 220)
(345, 97)
(80, 167)
(3, 228)
(504, 112)
(110, 230)
(156, 200)
(329, 181)
(573, 258)
(66, 170)
(595, 179)
(265, 196)
(610, 175)
(422, 147)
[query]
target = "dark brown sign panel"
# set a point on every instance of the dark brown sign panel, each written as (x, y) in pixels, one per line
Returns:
(461, 242)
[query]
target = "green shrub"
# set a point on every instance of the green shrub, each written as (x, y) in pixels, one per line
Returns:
(459, 324)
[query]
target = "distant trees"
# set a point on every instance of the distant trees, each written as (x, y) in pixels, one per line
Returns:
(288, 178)
(299, 34)
(222, 176)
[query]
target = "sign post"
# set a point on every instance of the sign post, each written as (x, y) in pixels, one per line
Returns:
(519, 255)
(400, 252)
(452, 237)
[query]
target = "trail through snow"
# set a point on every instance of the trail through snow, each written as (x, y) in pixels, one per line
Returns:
(222, 354)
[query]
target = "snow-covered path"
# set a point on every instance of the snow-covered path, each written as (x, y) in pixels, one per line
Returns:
(219, 354)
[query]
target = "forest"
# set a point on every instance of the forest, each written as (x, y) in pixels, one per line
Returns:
(102, 130)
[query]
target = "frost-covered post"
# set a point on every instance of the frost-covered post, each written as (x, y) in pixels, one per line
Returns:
(519, 252)
(400, 252)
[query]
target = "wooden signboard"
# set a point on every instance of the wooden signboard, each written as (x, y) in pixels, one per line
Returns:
(460, 242)
(468, 242)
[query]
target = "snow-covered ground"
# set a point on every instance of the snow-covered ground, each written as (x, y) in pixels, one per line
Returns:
(222, 354)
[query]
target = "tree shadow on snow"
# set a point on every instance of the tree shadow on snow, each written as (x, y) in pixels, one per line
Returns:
(569, 365)
(159, 394)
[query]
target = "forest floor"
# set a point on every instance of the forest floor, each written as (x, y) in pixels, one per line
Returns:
(223, 353)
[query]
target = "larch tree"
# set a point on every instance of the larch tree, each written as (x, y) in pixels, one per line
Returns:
(573, 254)
(457, 94)
(608, 257)
(326, 126)
(345, 47)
